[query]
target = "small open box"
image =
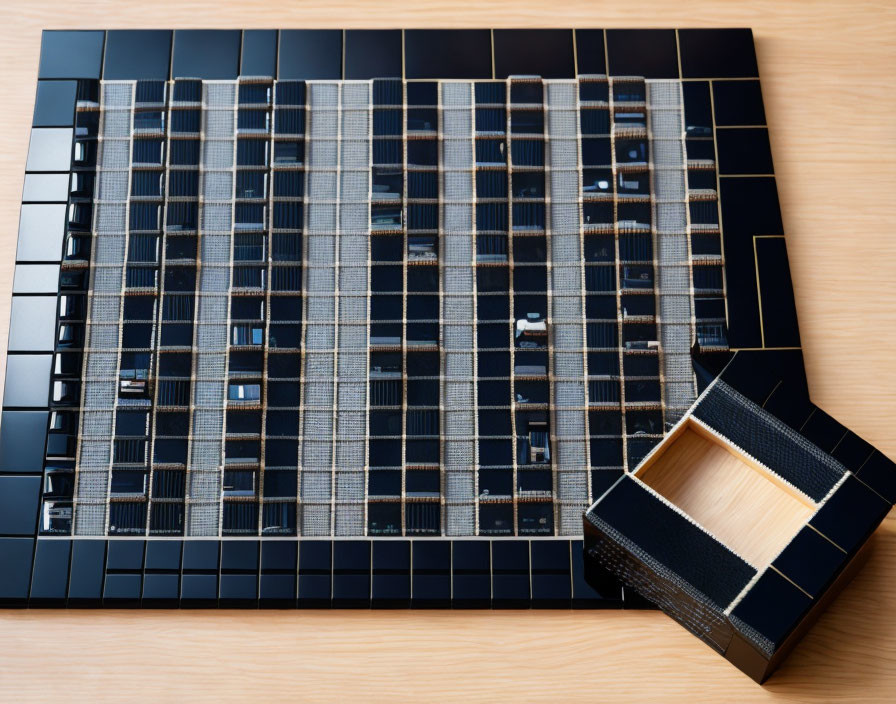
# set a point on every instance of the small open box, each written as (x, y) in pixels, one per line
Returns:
(737, 526)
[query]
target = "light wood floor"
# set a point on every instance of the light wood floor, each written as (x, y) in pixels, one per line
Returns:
(828, 83)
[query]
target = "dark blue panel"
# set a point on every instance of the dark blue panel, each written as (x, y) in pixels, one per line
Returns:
(550, 555)
(744, 151)
(278, 555)
(772, 607)
(279, 587)
(651, 53)
(823, 430)
(853, 452)
(239, 555)
(86, 580)
(122, 586)
(431, 589)
(779, 321)
(554, 589)
(310, 54)
(259, 55)
(534, 52)
(738, 103)
(810, 561)
(372, 53)
(18, 505)
(448, 53)
(880, 474)
(850, 515)
(475, 588)
(137, 54)
(471, 555)
(510, 588)
(160, 586)
(352, 555)
(201, 555)
(314, 587)
(23, 436)
(510, 555)
(393, 589)
(590, 51)
(65, 54)
(163, 554)
(351, 588)
(315, 555)
(55, 104)
(15, 557)
(125, 555)
(391, 555)
(203, 587)
(206, 53)
(239, 586)
(50, 577)
(720, 53)
(431, 555)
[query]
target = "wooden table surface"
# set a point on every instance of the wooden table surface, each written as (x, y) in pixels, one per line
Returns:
(828, 82)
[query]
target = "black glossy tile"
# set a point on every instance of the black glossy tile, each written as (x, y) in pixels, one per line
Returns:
(315, 555)
(199, 587)
(510, 555)
(18, 505)
(590, 51)
(277, 587)
(850, 515)
(448, 53)
(550, 555)
(55, 104)
(200, 555)
(534, 52)
(779, 322)
(510, 590)
(161, 587)
(471, 590)
(879, 473)
(651, 53)
(15, 577)
(431, 589)
(810, 561)
(790, 404)
(738, 103)
(744, 151)
(431, 555)
(50, 577)
(391, 590)
(70, 54)
(551, 590)
(310, 54)
(125, 555)
(823, 430)
(582, 592)
(239, 587)
(602, 480)
(259, 53)
(212, 54)
(351, 555)
(470, 555)
(23, 435)
(772, 607)
(133, 54)
(239, 555)
(853, 451)
(717, 53)
(122, 587)
(86, 579)
(163, 554)
(351, 590)
(372, 53)
(391, 555)
(27, 380)
(279, 555)
(697, 108)
(315, 589)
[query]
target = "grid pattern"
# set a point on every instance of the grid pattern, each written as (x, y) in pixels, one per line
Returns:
(343, 308)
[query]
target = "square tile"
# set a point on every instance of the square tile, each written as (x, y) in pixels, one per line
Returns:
(372, 53)
(41, 231)
(259, 53)
(50, 577)
(651, 53)
(18, 505)
(55, 104)
(738, 103)
(709, 53)
(534, 52)
(23, 435)
(71, 54)
(744, 151)
(310, 54)
(36, 278)
(45, 188)
(212, 54)
(27, 380)
(448, 53)
(137, 54)
(16, 556)
(50, 149)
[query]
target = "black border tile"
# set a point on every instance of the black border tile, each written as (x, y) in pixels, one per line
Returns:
(651, 53)
(448, 53)
(547, 53)
(720, 53)
(133, 54)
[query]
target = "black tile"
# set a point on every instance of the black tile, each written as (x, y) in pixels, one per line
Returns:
(757, 373)
(879, 473)
(510, 590)
(124, 587)
(738, 103)
(239, 587)
(810, 561)
(850, 515)
(211, 54)
(86, 579)
(279, 555)
(201, 555)
(23, 436)
(133, 54)
(18, 505)
(534, 52)
(789, 404)
(239, 555)
(550, 555)
(749, 207)
(432, 589)
(551, 589)
(161, 587)
(315, 589)
(351, 589)
(259, 53)
(125, 555)
(431, 555)
(393, 590)
(448, 53)
(471, 555)
(15, 577)
(590, 51)
(853, 452)
(651, 53)
(199, 587)
(163, 554)
(603, 479)
(70, 54)
(55, 104)
(823, 430)
(27, 380)
(391, 555)
(50, 577)
(744, 151)
(583, 594)
(315, 555)
(510, 555)
(372, 53)
(779, 323)
(471, 590)
(697, 108)
(310, 54)
(351, 555)
(717, 53)
(277, 587)
(772, 607)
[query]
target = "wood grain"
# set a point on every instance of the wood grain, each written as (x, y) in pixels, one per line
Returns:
(827, 79)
